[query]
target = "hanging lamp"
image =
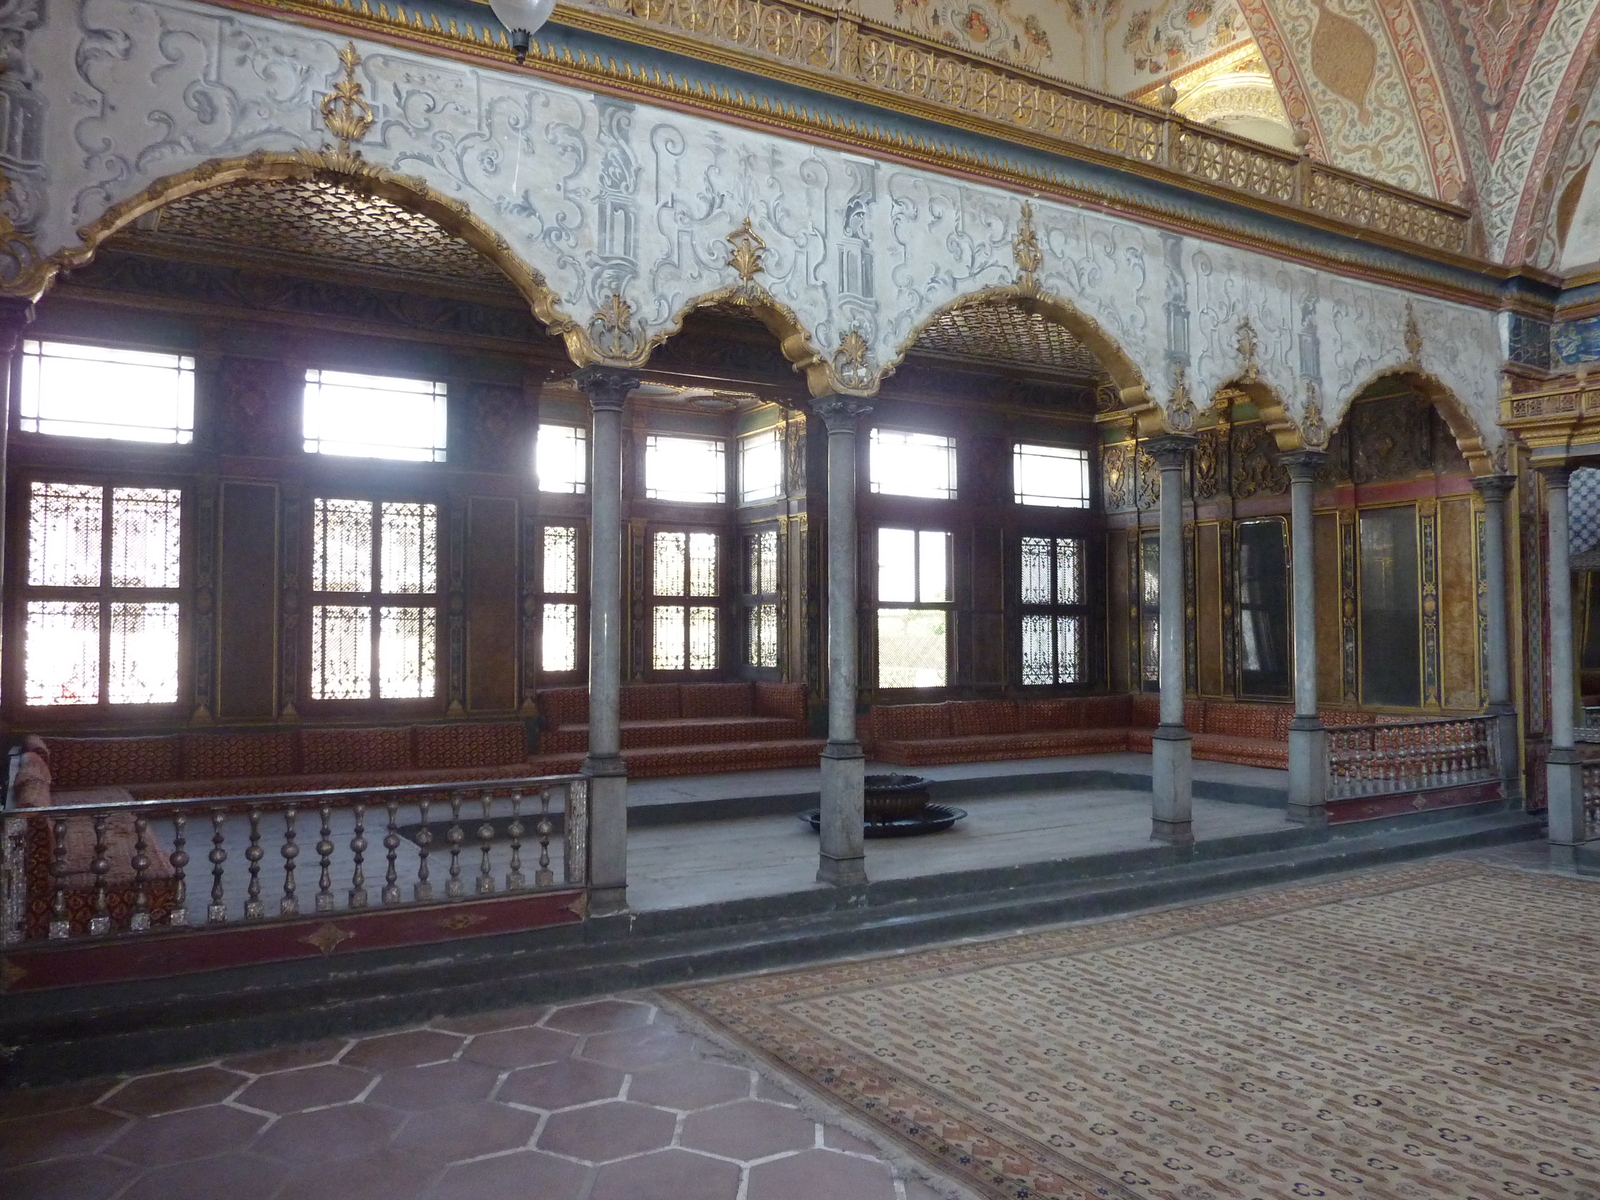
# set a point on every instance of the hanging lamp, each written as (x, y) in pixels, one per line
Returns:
(523, 18)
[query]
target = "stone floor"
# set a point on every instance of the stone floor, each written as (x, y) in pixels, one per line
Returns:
(605, 1100)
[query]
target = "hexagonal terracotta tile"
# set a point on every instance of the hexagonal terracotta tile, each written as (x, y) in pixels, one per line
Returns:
(561, 1084)
(150, 1095)
(748, 1130)
(287, 1058)
(464, 1131)
(519, 1048)
(690, 1085)
(820, 1173)
(640, 1049)
(601, 1132)
(235, 1176)
(670, 1175)
(84, 1177)
(492, 1022)
(347, 1131)
(56, 1135)
(526, 1173)
(193, 1133)
(409, 1049)
(385, 1174)
(310, 1087)
(416, 1089)
(600, 1016)
(31, 1101)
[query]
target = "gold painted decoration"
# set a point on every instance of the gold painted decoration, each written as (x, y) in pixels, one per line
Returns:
(326, 937)
(1244, 340)
(613, 336)
(851, 368)
(745, 252)
(1313, 430)
(1413, 334)
(1181, 411)
(1025, 250)
(346, 114)
(19, 255)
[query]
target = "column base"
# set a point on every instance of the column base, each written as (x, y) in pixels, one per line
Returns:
(1172, 785)
(1564, 786)
(608, 833)
(842, 858)
(1308, 771)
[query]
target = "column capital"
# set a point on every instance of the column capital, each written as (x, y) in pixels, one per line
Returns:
(1558, 476)
(16, 314)
(1494, 487)
(1170, 450)
(1303, 465)
(606, 387)
(840, 413)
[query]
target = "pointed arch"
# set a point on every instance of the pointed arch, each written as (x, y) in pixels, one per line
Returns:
(1468, 437)
(794, 340)
(1275, 415)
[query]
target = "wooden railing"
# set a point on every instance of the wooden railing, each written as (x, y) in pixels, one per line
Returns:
(98, 871)
(1382, 759)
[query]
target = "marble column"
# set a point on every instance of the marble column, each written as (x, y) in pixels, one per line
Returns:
(1497, 659)
(1171, 750)
(607, 390)
(1308, 740)
(1565, 771)
(842, 859)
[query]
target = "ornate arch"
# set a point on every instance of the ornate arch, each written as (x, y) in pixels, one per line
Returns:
(779, 320)
(1286, 431)
(1468, 437)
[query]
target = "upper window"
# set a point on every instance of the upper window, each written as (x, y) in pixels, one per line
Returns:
(561, 459)
(374, 416)
(93, 391)
(761, 466)
(688, 470)
(1056, 476)
(913, 464)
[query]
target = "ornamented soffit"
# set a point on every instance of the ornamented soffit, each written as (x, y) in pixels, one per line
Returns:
(1005, 331)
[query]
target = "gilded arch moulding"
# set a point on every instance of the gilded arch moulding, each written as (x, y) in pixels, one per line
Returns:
(1468, 437)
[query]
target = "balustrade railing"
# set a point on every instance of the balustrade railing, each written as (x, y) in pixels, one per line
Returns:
(1591, 799)
(1381, 759)
(97, 870)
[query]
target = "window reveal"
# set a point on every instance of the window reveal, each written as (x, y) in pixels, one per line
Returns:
(683, 633)
(761, 466)
(1052, 618)
(913, 608)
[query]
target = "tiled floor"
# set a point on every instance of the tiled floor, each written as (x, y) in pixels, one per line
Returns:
(605, 1100)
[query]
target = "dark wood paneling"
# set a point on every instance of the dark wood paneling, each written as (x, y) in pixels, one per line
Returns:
(247, 591)
(1118, 634)
(1208, 609)
(1329, 625)
(1458, 606)
(491, 601)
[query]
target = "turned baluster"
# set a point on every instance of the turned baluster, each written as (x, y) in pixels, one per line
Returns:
(60, 919)
(544, 876)
(485, 840)
(139, 919)
(100, 865)
(514, 877)
(179, 914)
(455, 837)
(423, 889)
(324, 854)
(358, 851)
(253, 855)
(218, 911)
(290, 905)
(391, 844)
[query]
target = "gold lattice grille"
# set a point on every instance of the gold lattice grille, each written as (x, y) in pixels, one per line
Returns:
(324, 221)
(1005, 331)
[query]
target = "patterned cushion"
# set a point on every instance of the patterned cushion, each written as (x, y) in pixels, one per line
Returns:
(1194, 714)
(972, 718)
(716, 699)
(1106, 712)
(1243, 719)
(98, 762)
(907, 722)
(1144, 711)
(1043, 715)
(232, 755)
(1249, 752)
(564, 706)
(650, 702)
(328, 750)
(478, 744)
(781, 700)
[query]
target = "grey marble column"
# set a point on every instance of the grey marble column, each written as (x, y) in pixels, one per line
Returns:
(1565, 771)
(1308, 740)
(607, 390)
(842, 859)
(1497, 660)
(1171, 750)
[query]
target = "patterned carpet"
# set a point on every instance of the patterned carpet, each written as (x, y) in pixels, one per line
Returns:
(1421, 1032)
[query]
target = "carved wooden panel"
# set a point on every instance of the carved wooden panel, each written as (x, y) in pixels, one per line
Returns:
(491, 603)
(1208, 609)
(1119, 635)
(1149, 485)
(1210, 463)
(251, 406)
(498, 433)
(205, 602)
(1325, 535)
(1428, 584)
(1458, 604)
(1253, 455)
(1116, 470)
(1390, 439)
(247, 591)
(1349, 670)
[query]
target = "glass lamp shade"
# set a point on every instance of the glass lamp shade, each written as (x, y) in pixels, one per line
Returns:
(523, 18)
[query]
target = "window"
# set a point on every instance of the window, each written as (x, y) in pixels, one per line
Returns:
(1055, 476)
(684, 634)
(92, 391)
(374, 416)
(761, 598)
(913, 577)
(1390, 607)
(912, 464)
(687, 470)
(1263, 607)
(561, 459)
(102, 594)
(1052, 610)
(1149, 593)
(374, 608)
(558, 638)
(761, 466)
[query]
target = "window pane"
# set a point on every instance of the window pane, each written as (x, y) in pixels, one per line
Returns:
(702, 564)
(341, 546)
(768, 577)
(561, 458)
(667, 638)
(64, 526)
(144, 537)
(1069, 650)
(406, 645)
(1036, 571)
(912, 464)
(1390, 607)
(91, 391)
(1150, 571)
(897, 565)
(760, 466)
(911, 647)
(63, 652)
(1069, 571)
(409, 549)
(684, 469)
(763, 635)
(341, 652)
(144, 654)
(670, 561)
(374, 416)
(1038, 644)
(561, 560)
(702, 638)
(933, 568)
(1150, 647)
(1057, 476)
(559, 638)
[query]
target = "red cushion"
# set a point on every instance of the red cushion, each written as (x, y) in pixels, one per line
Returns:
(1144, 711)
(781, 700)
(470, 744)
(237, 755)
(1243, 719)
(716, 699)
(323, 751)
(99, 762)
(908, 722)
(564, 706)
(650, 702)
(974, 718)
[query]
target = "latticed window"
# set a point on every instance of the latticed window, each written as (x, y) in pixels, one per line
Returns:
(913, 608)
(1052, 476)
(761, 587)
(912, 464)
(102, 594)
(374, 416)
(1053, 617)
(761, 466)
(1150, 611)
(684, 632)
(374, 613)
(97, 392)
(558, 631)
(561, 459)
(684, 469)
